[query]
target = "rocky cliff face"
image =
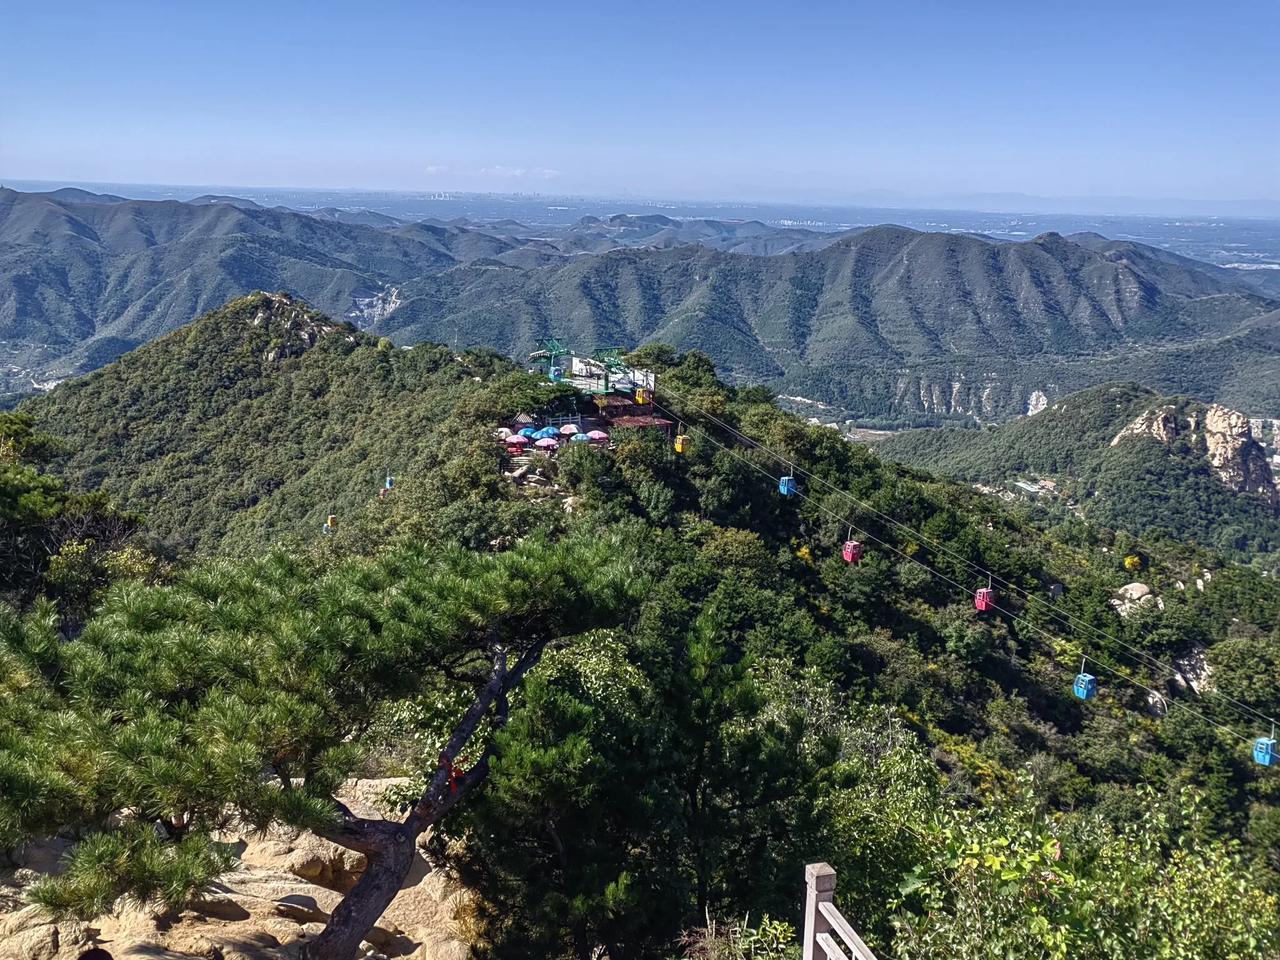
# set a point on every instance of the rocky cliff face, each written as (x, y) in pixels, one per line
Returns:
(1221, 435)
(375, 306)
(1237, 457)
(294, 326)
(969, 391)
(960, 393)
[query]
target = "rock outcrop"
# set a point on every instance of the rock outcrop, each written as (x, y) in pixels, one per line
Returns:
(1160, 422)
(279, 896)
(294, 326)
(1221, 435)
(1132, 597)
(1239, 460)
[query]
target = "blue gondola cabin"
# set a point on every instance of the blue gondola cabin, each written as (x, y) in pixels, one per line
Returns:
(984, 599)
(391, 482)
(852, 551)
(1086, 686)
(1264, 751)
(787, 486)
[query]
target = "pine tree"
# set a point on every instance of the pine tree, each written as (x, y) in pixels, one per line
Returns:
(182, 695)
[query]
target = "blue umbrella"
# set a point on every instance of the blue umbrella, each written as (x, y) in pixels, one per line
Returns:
(527, 431)
(580, 437)
(547, 432)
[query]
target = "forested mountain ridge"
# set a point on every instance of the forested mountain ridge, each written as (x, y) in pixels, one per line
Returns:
(721, 697)
(83, 281)
(883, 321)
(886, 319)
(254, 422)
(1130, 458)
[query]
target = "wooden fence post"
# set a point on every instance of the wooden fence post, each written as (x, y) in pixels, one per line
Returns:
(820, 887)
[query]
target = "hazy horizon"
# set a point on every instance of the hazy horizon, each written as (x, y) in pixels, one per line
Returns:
(1002, 203)
(1139, 106)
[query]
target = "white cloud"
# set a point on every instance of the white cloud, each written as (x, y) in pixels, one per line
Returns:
(519, 173)
(435, 168)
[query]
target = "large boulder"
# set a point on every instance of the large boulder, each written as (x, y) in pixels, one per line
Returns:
(1131, 597)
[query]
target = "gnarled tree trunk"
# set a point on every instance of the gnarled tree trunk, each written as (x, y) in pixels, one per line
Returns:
(386, 867)
(389, 847)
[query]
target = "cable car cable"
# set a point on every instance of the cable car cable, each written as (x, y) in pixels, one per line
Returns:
(1010, 614)
(940, 547)
(1144, 658)
(1062, 616)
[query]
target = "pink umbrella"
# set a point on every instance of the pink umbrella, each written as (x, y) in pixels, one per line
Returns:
(598, 435)
(547, 443)
(569, 429)
(517, 440)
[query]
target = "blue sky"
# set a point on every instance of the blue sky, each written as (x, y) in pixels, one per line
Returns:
(818, 101)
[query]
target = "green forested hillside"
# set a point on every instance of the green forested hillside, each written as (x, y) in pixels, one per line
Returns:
(53, 539)
(1141, 483)
(713, 697)
(83, 281)
(263, 417)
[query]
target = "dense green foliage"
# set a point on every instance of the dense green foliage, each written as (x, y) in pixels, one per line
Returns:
(1141, 484)
(723, 700)
(51, 539)
(178, 697)
(262, 418)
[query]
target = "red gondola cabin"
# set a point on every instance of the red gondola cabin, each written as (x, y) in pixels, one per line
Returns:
(852, 551)
(984, 599)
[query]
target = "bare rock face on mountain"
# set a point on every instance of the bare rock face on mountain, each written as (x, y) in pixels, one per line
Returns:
(284, 887)
(1240, 461)
(1159, 422)
(1128, 458)
(1219, 434)
(294, 327)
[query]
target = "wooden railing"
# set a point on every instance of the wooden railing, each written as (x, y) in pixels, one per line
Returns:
(822, 919)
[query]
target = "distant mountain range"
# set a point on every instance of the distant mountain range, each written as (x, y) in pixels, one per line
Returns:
(882, 321)
(1126, 458)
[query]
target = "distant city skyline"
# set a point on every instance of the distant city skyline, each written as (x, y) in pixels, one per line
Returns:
(1151, 107)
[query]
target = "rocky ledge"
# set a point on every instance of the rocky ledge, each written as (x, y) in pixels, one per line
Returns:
(280, 895)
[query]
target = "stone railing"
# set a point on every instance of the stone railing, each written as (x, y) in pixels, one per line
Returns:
(823, 923)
